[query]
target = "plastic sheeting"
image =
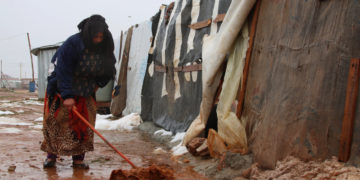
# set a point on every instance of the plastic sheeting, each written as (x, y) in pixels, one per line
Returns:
(214, 51)
(138, 57)
(295, 95)
(172, 99)
(230, 128)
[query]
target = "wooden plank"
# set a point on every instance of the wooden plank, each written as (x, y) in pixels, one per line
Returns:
(121, 40)
(349, 112)
(200, 24)
(247, 60)
(219, 18)
(119, 101)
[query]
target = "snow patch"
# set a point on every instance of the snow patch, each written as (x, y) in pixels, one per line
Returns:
(5, 112)
(33, 102)
(4, 101)
(40, 126)
(13, 121)
(163, 132)
(15, 104)
(125, 123)
(159, 150)
(178, 137)
(10, 130)
(40, 119)
(179, 150)
(20, 111)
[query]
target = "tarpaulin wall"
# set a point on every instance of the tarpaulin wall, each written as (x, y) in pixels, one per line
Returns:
(295, 96)
(138, 57)
(172, 88)
(215, 49)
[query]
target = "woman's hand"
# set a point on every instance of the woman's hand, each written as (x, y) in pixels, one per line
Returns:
(69, 103)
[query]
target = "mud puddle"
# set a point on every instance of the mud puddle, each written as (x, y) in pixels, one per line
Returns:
(21, 157)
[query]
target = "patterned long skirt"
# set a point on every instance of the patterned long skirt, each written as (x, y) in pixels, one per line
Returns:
(64, 133)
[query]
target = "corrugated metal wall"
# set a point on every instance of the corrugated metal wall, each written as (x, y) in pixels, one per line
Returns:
(44, 59)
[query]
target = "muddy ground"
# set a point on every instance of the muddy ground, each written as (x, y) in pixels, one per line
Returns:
(21, 157)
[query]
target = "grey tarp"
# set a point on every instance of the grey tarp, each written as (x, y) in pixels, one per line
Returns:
(295, 96)
(172, 99)
(215, 48)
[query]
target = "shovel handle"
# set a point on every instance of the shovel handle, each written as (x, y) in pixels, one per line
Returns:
(101, 136)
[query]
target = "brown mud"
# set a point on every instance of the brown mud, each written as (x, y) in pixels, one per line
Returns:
(21, 157)
(152, 172)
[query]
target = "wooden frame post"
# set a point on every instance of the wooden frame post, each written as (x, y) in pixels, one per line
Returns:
(349, 111)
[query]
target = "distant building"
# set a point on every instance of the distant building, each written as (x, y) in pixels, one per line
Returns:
(44, 54)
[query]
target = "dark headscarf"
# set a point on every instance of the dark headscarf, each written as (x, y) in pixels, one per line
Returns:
(89, 27)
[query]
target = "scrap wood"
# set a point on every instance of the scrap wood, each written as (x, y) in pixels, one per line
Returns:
(349, 112)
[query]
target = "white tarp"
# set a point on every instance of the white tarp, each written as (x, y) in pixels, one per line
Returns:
(138, 57)
(215, 48)
(230, 128)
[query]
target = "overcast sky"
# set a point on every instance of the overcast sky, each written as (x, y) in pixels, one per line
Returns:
(50, 22)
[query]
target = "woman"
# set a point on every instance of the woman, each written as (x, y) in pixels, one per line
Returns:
(83, 63)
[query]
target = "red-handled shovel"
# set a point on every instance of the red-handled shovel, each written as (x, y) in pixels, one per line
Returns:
(102, 137)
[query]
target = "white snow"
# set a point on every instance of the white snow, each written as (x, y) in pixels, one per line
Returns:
(178, 137)
(34, 102)
(5, 112)
(163, 132)
(125, 123)
(20, 111)
(10, 130)
(15, 104)
(179, 150)
(4, 101)
(39, 126)
(12, 121)
(159, 150)
(39, 119)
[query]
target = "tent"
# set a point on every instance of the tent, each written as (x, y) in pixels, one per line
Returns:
(172, 90)
(131, 69)
(291, 74)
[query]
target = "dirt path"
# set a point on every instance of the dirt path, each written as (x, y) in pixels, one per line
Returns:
(20, 138)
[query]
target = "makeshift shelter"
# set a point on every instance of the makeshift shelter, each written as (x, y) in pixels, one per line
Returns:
(296, 90)
(171, 93)
(131, 69)
(44, 55)
(297, 82)
(286, 89)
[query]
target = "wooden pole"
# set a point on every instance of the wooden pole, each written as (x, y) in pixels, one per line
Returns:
(350, 109)
(20, 71)
(32, 64)
(247, 60)
(1, 71)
